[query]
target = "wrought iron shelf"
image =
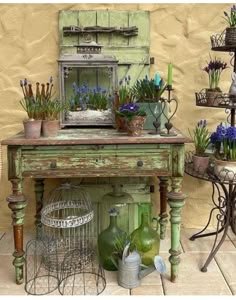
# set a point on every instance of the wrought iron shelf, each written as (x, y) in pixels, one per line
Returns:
(223, 100)
(218, 43)
(224, 204)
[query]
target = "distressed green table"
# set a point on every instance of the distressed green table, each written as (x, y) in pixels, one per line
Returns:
(96, 153)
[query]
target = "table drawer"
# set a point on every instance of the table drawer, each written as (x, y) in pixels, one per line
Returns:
(102, 163)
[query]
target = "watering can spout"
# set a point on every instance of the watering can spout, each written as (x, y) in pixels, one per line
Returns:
(159, 266)
(145, 272)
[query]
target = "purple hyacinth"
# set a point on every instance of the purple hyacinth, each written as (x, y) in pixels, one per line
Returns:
(231, 133)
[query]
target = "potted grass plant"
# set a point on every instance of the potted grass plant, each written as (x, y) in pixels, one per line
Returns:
(122, 96)
(147, 93)
(32, 105)
(230, 32)
(201, 139)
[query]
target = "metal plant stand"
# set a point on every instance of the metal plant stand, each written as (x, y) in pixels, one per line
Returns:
(224, 204)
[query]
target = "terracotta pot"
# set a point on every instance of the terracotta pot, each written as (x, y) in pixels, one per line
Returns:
(200, 163)
(50, 128)
(230, 36)
(225, 169)
(121, 124)
(32, 128)
(135, 126)
(213, 97)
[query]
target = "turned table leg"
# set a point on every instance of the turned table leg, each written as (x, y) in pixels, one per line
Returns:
(17, 204)
(163, 206)
(176, 202)
(39, 190)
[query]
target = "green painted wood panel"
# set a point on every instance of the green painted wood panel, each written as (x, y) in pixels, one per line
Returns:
(131, 52)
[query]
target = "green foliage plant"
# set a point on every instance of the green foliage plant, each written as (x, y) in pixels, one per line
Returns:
(201, 138)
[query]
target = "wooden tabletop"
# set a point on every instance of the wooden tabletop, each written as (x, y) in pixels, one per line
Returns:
(88, 136)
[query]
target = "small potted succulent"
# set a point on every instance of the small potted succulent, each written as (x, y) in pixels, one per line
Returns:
(32, 105)
(135, 118)
(147, 92)
(224, 142)
(214, 68)
(230, 32)
(201, 139)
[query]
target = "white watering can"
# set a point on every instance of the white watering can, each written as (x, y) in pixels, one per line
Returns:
(129, 268)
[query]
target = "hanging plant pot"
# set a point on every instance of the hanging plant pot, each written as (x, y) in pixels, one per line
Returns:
(213, 97)
(135, 126)
(230, 36)
(32, 128)
(50, 128)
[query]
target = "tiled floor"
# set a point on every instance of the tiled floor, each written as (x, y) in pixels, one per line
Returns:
(220, 278)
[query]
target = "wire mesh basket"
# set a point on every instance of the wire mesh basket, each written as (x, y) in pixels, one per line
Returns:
(66, 250)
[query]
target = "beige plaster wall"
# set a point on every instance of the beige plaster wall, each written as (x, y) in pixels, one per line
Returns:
(179, 34)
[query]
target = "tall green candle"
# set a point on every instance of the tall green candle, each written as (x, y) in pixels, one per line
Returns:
(169, 79)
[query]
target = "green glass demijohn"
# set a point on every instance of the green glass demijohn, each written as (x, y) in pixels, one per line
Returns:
(146, 240)
(107, 240)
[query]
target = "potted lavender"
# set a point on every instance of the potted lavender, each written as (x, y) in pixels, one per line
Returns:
(135, 118)
(214, 69)
(224, 142)
(201, 139)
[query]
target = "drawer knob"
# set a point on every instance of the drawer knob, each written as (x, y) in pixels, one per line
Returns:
(53, 165)
(139, 163)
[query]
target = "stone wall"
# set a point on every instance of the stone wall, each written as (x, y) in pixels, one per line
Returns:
(180, 33)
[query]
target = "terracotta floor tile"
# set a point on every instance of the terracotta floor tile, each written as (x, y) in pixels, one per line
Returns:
(232, 236)
(192, 281)
(227, 264)
(7, 244)
(115, 290)
(148, 290)
(203, 244)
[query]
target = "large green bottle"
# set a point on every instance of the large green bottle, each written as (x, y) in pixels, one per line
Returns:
(147, 240)
(107, 241)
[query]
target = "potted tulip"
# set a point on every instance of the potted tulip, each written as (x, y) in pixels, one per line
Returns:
(201, 139)
(214, 68)
(224, 142)
(135, 118)
(230, 32)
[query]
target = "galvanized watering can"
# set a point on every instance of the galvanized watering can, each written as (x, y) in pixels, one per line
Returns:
(129, 268)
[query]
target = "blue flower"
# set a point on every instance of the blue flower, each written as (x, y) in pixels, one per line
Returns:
(25, 81)
(120, 82)
(231, 133)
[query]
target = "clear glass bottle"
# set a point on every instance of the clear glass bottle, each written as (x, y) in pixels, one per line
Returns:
(122, 202)
(147, 240)
(107, 240)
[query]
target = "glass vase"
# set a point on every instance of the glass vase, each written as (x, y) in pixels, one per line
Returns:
(107, 241)
(147, 240)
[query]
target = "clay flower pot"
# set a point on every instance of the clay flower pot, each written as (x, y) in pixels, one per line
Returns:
(32, 128)
(50, 128)
(135, 125)
(213, 97)
(200, 163)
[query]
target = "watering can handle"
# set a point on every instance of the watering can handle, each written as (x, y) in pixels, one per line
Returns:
(124, 254)
(157, 220)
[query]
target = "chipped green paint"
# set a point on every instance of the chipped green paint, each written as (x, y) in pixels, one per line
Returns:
(176, 202)
(94, 153)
